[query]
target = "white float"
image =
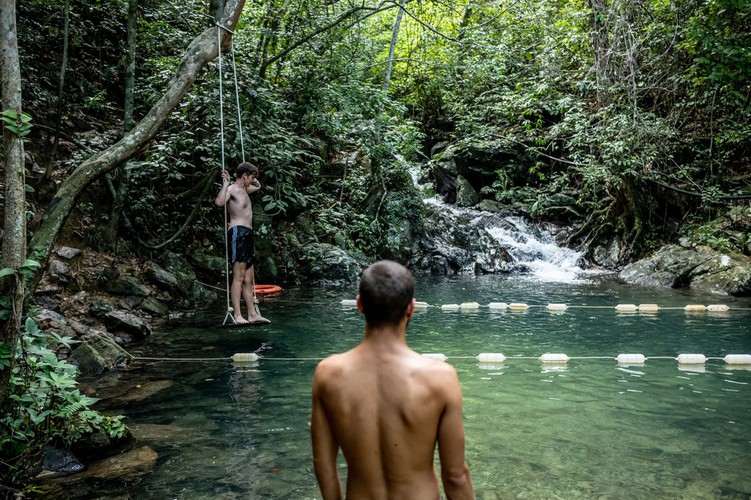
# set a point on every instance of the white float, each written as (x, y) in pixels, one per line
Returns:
(498, 305)
(469, 305)
(491, 357)
(518, 306)
(631, 359)
(421, 305)
(695, 308)
(557, 307)
(349, 302)
(435, 355)
(717, 308)
(649, 308)
(554, 358)
(450, 307)
(737, 359)
(244, 357)
(626, 308)
(691, 359)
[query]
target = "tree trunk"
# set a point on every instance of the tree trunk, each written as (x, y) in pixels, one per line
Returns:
(61, 88)
(14, 213)
(392, 47)
(109, 234)
(200, 52)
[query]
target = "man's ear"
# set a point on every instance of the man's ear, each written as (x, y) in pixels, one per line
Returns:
(411, 308)
(359, 304)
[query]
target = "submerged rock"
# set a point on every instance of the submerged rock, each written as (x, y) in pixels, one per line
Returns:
(127, 466)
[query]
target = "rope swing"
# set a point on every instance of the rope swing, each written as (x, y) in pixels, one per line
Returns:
(230, 311)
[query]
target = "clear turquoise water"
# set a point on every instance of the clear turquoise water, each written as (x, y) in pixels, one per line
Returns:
(588, 429)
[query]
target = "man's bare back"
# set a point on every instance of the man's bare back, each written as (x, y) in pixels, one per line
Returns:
(386, 407)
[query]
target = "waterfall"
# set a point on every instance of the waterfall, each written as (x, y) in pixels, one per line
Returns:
(472, 240)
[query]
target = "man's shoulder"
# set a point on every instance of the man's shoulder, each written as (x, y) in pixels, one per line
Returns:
(333, 363)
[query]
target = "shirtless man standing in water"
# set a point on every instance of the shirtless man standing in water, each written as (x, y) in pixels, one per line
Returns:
(386, 406)
(240, 238)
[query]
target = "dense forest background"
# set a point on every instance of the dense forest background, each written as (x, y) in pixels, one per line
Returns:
(630, 119)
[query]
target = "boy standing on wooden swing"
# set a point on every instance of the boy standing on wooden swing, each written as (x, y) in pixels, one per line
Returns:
(240, 238)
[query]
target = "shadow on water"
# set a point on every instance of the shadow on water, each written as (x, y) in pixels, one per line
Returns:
(585, 429)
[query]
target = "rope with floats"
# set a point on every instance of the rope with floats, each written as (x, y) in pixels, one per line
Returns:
(230, 309)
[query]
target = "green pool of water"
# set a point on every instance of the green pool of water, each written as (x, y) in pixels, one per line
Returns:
(587, 429)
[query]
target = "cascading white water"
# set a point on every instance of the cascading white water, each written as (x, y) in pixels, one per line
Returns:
(539, 251)
(532, 248)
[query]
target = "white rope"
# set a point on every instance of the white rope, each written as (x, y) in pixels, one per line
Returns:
(237, 100)
(221, 137)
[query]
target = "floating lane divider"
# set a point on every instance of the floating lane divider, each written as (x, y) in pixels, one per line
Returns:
(621, 359)
(559, 308)
(496, 357)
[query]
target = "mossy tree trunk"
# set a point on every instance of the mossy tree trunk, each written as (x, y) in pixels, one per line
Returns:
(14, 203)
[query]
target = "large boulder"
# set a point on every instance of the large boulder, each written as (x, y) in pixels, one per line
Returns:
(466, 195)
(99, 354)
(458, 241)
(327, 262)
(478, 163)
(212, 264)
(700, 268)
(127, 285)
(160, 276)
(180, 267)
(128, 323)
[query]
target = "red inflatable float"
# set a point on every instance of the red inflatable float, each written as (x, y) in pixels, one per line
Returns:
(267, 289)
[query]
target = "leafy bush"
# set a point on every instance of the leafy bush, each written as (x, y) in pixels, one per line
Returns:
(45, 404)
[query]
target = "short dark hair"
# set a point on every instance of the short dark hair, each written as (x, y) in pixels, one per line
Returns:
(386, 290)
(246, 168)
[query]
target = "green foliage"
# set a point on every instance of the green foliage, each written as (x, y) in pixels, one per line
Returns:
(45, 403)
(18, 124)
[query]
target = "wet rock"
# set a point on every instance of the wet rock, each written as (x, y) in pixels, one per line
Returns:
(154, 306)
(99, 354)
(700, 268)
(330, 263)
(127, 466)
(466, 195)
(200, 294)
(127, 285)
(129, 323)
(57, 460)
(180, 267)
(607, 256)
(454, 243)
(68, 252)
(160, 276)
